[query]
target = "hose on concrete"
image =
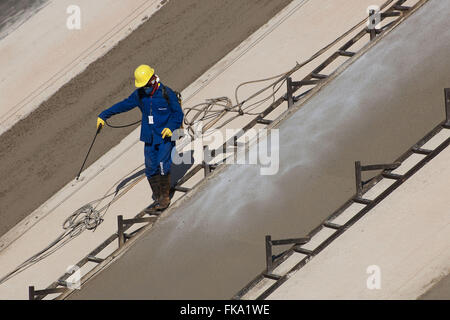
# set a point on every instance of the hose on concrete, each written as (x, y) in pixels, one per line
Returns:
(88, 217)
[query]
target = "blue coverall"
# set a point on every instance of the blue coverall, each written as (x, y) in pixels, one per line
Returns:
(157, 115)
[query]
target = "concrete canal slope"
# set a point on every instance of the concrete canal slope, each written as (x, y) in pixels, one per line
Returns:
(212, 244)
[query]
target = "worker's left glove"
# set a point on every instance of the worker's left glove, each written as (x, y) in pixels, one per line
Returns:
(166, 133)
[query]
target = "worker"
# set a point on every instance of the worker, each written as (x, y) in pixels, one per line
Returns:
(161, 116)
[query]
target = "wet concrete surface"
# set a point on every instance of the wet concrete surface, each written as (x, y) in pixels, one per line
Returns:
(373, 112)
(43, 152)
(440, 291)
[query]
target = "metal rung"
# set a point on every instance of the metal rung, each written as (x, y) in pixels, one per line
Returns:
(387, 166)
(303, 251)
(421, 151)
(304, 83)
(95, 259)
(332, 225)
(62, 283)
(272, 276)
(390, 175)
(319, 76)
(401, 8)
(346, 53)
(137, 220)
(290, 241)
(294, 98)
(390, 14)
(213, 166)
(362, 201)
(181, 189)
(33, 294)
(264, 121)
(49, 291)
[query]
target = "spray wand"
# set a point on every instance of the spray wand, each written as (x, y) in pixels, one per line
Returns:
(87, 155)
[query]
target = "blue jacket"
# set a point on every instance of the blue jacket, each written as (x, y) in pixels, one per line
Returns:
(164, 115)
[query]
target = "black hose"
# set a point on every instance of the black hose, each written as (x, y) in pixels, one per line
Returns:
(124, 126)
(87, 155)
(95, 137)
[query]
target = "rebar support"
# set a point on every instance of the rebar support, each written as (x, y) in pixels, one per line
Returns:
(120, 231)
(447, 107)
(269, 260)
(290, 92)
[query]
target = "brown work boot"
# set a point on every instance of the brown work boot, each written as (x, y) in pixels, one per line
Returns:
(155, 184)
(164, 198)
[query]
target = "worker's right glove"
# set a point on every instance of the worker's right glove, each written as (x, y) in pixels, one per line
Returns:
(100, 123)
(166, 133)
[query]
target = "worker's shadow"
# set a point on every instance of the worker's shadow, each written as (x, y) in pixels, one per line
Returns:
(179, 170)
(176, 173)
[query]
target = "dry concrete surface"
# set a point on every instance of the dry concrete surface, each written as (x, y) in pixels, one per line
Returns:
(15, 12)
(43, 152)
(374, 111)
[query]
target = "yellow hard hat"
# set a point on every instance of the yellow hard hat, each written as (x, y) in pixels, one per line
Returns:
(142, 75)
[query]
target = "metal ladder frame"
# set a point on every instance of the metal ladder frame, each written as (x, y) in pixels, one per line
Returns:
(361, 188)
